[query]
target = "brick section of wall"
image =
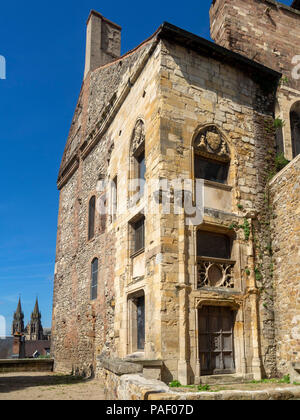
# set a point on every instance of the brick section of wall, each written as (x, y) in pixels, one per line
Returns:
(267, 32)
(285, 227)
(262, 30)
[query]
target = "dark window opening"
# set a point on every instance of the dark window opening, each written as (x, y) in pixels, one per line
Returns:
(94, 279)
(213, 245)
(92, 209)
(295, 128)
(211, 170)
(140, 308)
(139, 235)
(141, 171)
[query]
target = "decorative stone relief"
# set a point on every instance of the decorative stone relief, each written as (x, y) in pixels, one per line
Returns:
(138, 136)
(211, 142)
(215, 274)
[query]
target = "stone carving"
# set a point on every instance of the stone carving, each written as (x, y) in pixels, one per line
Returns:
(215, 274)
(138, 136)
(211, 142)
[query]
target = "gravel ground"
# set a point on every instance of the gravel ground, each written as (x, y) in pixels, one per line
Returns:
(48, 386)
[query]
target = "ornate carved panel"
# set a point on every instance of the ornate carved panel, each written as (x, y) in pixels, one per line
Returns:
(211, 143)
(138, 137)
(215, 273)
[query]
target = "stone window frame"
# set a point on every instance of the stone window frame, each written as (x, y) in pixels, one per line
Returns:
(131, 235)
(132, 347)
(134, 156)
(113, 198)
(95, 257)
(231, 178)
(96, 222)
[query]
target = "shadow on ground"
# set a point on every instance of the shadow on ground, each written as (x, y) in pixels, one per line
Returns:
(17, 383)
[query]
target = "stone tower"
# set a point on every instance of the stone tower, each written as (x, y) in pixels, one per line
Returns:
(18, 321)
(268, 33)
(34, 328)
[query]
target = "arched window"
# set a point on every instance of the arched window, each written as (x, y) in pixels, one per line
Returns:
(92, 210)
(94, 279)
(295, 128)
(211, 156)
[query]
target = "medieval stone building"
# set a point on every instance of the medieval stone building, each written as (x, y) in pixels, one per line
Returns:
(193, 290)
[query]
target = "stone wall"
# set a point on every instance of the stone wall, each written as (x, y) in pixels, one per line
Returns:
(123, 382)
(285, 228)
(175, 91)
(83, 328)
(199, 90)
(26, 365)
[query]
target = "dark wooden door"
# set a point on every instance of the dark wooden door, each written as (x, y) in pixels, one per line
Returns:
(141, 323)
(216, 348)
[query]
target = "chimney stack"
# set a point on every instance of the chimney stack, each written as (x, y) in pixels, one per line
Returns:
(103, 42)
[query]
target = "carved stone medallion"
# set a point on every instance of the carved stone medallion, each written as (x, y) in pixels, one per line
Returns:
(211, 142)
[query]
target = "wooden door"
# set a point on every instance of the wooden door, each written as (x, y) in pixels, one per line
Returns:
(141, 323)
(216, 345)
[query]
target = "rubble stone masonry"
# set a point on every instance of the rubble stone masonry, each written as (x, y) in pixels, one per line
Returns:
(285, 228)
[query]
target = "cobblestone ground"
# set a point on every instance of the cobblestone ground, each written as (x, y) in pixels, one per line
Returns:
(48, 386)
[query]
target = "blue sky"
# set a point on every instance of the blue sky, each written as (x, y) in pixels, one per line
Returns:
(44, 44)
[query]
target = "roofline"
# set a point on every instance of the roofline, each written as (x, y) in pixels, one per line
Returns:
(290, 8)
(205, 47)
(266, 77)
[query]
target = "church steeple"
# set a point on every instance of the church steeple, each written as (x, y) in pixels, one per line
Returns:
(36, 312)
(18, 321)
(35, 325)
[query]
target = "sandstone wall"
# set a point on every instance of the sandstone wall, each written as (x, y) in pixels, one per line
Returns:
(285, 227)
(199, 90)
(83, 328)
(175, 91)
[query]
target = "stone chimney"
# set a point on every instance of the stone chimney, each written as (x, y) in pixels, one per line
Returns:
(18, 346)
(103, 42)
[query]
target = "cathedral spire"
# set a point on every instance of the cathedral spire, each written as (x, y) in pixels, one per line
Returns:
(36, 311)
(18, 321)
(35, 328)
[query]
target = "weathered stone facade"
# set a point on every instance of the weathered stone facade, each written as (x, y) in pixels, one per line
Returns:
(285, 228)
(179, 100)
(268, 32)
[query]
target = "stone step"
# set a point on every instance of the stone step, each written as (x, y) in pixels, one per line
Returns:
(225, 379)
